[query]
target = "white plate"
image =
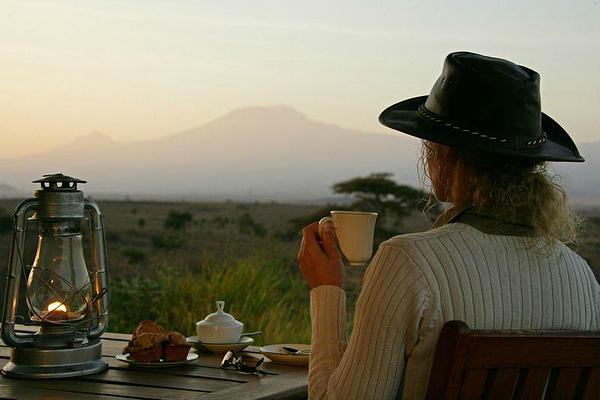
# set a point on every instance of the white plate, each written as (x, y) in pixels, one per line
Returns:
(276, 354)
(160, 364)
(244, 342)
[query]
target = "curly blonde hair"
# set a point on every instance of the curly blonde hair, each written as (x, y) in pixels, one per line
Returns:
(513, 189)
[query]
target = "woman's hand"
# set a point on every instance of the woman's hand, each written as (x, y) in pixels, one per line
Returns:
(319, 258)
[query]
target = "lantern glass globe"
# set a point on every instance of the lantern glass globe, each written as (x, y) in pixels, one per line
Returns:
(58, 287)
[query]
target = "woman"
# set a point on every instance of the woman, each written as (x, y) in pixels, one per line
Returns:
(496, 259)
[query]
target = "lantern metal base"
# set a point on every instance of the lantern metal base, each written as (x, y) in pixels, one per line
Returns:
(32, 362)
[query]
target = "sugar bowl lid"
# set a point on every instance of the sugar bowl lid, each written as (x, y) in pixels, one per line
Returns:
(220, 317)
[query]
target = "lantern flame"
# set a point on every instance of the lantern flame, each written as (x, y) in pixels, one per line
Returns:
(57, 306)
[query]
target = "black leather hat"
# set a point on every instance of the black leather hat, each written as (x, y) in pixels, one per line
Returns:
(485, 104)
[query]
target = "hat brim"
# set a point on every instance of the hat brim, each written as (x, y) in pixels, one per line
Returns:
(403, 117)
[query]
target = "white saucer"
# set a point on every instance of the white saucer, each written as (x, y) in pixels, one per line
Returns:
(159, 364)
(244, 342)
(276, 354)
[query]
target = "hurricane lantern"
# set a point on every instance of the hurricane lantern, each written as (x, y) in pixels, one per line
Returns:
(64, 298)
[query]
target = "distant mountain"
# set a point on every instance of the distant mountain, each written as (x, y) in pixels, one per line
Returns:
(7, 191)
(583, 179)
(255, 152)
(252, 153)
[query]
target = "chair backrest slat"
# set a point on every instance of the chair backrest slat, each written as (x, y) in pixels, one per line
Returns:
(532, 384)
(501, 383)
(473, 384)
(515, 364)
(592, 387)
(563, 383)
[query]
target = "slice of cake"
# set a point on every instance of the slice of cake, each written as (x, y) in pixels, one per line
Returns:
(147, 326)
(150, 342)
(176, 348)
(146, 342)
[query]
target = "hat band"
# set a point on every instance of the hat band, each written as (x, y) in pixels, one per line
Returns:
(510, 142)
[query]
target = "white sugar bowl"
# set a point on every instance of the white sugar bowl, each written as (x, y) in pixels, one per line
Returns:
(219, 327)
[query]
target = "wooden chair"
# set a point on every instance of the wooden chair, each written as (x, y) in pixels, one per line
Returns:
(475, 364)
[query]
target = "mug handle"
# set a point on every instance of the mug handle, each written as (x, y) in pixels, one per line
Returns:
(319, 231)
(321, 223)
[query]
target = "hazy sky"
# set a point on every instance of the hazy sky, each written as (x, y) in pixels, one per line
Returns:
(144, 69)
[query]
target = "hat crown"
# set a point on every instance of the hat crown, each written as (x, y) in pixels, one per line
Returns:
(484, 104)
(491, 65)
(488, 94)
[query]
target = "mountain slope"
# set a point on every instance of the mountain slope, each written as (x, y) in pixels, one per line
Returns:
(254, 153)
(257, 152)
(7, 191)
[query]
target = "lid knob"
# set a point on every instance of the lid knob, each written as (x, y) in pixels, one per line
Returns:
(220, 317)
(59, 183)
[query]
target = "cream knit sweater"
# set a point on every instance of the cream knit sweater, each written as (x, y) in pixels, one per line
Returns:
(417, 282)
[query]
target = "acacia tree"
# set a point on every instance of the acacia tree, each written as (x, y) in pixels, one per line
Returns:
(377, 192)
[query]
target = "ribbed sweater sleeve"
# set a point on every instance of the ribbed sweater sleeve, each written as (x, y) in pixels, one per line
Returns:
(389, 311)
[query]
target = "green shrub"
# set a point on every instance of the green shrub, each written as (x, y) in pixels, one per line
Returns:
(178, 220)
(167, 241)
(134, 255)
(220, 221)
(141, 222)
(249, 226)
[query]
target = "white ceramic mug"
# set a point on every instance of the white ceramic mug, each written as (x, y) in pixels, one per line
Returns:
(354, 231)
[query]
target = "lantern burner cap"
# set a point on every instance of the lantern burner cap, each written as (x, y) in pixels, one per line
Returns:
(59, 183)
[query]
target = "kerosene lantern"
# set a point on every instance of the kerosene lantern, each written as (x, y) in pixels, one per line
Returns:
(64, 298)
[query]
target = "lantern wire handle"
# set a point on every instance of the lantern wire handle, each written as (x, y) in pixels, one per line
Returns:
(98, 295)
(23, 272)
(88, 303)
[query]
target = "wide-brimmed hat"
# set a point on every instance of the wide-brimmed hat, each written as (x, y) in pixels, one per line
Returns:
(485, 104)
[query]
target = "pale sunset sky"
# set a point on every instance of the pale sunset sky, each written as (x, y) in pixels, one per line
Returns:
(139, 70)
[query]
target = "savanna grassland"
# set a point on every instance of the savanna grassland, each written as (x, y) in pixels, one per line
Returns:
(170, 262)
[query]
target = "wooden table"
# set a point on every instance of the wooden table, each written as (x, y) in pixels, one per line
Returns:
(201, 378)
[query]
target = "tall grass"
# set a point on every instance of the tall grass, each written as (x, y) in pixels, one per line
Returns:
(264, 291)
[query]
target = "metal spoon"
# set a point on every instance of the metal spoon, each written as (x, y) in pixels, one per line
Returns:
(295, 352)
(252, 333)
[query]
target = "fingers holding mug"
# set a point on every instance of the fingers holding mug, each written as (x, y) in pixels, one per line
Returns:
(321, 225)
(326, 232)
